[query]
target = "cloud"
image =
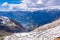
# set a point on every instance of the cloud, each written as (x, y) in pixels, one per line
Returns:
(5, 4)
(30, 5)
(39, 2)
(53, 3)
(22, 5)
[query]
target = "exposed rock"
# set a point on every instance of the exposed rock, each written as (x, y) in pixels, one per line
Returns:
(10, 24)
(46, 32)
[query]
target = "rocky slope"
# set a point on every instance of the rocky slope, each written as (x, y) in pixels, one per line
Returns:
(46, 32)
(9, 26)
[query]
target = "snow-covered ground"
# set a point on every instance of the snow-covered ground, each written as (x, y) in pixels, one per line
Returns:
(46, 32)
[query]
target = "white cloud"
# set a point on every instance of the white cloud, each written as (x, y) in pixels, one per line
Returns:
(23, 5)
(53, 3)
(5, 4)
(39, 2)
(30, 5)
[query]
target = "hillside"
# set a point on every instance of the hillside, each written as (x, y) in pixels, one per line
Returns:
(46, 32)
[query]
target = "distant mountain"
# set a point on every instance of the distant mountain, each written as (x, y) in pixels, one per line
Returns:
(31, 20)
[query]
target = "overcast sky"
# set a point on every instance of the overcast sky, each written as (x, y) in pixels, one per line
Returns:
(25, 4)
(35, 2)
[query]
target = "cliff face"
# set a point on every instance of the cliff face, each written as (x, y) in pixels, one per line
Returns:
(46, 32)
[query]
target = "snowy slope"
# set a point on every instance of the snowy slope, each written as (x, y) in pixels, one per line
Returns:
(47, 34)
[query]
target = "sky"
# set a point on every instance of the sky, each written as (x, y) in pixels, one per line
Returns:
(27, 4)
(10, 1)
